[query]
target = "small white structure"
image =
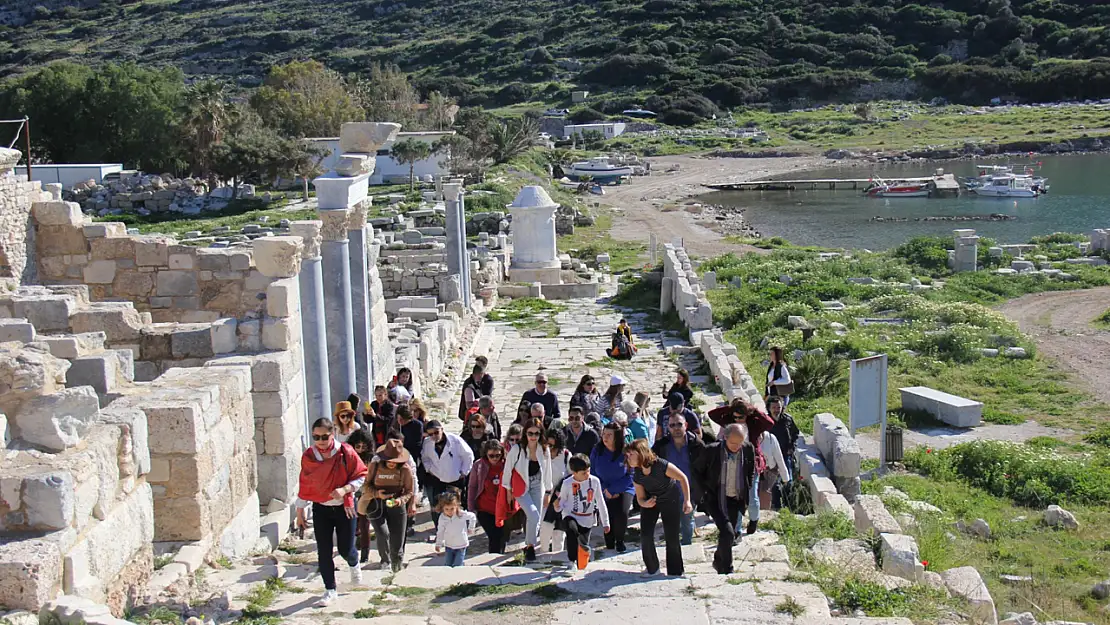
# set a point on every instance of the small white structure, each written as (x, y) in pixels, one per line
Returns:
(71, 174)
(387, 170)
(535, 258)
(578, 97)
(608, 129)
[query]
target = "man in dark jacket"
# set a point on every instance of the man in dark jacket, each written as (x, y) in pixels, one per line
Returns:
(580, 438)
(786, 431)
(541, 394)
(724, 472)
(682, 449)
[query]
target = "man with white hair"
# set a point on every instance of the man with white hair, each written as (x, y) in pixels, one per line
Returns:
(724, 472)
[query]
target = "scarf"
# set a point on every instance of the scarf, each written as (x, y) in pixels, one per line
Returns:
(320, 477)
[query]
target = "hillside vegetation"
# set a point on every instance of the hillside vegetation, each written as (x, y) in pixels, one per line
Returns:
(691, 55)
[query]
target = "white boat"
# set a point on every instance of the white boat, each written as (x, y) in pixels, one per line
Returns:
(598, 168)
(987, 173)
(1007, 185)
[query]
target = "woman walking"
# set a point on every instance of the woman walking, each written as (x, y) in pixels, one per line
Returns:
(364, 447)
(614, 395)
(485, 496)
(475, 434)
(477, 385)
(527, 474)
(330, 474)
(512, 437)
(778, 377)
(346, 421)
(608, 464)
(586, 396)
(388, 499)
(681, 386)
(400, 387)
(663, 493)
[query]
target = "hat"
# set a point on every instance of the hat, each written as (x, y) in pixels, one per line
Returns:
(393, 453)
(615, 380)
(433, 425)
(541, 377)
(342, 407)
(629, 407)
(676, 401)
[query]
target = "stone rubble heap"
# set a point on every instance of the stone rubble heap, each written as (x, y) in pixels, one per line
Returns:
(145, 194)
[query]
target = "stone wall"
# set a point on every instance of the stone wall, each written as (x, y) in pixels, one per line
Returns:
(17, 237)
(421, 269)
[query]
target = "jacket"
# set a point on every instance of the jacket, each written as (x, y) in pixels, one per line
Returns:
(454, 531)
(614, 474)
(787, 432)
(517, 460)
(693, 423)
(452, 465)
(321, 475)
(757, 422)
(696, 447)
(773, 455)
(550, 401)
(709, 474)
(369, 490)
(639, 428)
(585, 443)
(777, 374)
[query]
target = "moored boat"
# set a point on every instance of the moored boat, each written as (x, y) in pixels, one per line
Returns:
(598, 168)
(1008, 185)
(897, 189)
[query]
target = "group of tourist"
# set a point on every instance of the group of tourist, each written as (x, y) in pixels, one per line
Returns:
(556, 480)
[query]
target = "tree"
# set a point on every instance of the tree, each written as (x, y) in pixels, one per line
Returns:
(306, 99)
(386, 95)
(409, 151)
(512, 137)
(208, 117)
(863, 110)
(257, 152)
(439, 113)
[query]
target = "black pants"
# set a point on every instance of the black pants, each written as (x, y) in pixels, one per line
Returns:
(576, 535)
(496, 535)
(389, 526)
(725, 520)
(332, 521)
(670, 512)
(618, 518)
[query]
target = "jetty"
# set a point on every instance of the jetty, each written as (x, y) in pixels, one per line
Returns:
(944, 185)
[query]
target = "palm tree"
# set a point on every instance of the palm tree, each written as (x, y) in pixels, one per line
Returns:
(512, 138)
(208, 117)
(410, 151)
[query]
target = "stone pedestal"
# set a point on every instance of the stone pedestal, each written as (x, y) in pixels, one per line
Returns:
(338, 313)
(967, 251)
(535, 258)
(313, 322)
(335, 191)
(360, 301)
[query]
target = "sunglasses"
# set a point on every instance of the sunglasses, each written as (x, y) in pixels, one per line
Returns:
(514, 439)
(321, 437)
(675, 426)
(477, 427)
(493, 456)
(533, 434)
(588, 384)
(541, 381)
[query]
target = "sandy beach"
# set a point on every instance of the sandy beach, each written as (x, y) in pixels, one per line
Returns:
(673, 179)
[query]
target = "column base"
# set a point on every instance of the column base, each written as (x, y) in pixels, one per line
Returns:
(543, 275)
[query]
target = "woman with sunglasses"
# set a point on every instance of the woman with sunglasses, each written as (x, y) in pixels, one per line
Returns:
(476, 433)
(331, 472)
(485, 496)
(346, 420)
(388, 498)
(512, 437)
(586, 396)
(607, 463)
(364, 447)
(527, 475)
(663, 492)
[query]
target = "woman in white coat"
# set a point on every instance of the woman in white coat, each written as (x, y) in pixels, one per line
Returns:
(778, 377)
(776, 469)
(527, 477)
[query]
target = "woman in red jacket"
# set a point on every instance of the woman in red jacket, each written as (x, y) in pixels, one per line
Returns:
(331, 472)
(485, 496)
(757, 422)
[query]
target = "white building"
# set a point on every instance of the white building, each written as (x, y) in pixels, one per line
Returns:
(387, 170)
(608, 130)
(71, 174)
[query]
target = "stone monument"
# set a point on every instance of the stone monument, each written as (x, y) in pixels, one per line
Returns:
(967, 250)
(535, 258)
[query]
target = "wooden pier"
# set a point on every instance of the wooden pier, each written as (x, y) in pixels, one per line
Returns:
(944, 185)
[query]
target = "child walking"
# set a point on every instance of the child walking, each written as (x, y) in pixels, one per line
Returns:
(580, 504)
(455, 526)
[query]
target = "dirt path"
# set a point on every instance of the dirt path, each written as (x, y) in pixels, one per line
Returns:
(641, 202)
(1061, 324)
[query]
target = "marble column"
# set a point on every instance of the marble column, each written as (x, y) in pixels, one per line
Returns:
(338, 313)
(535, 258)
(458, 263)
(313, 324)
(360, 300)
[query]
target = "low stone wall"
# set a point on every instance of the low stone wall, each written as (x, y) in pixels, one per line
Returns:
(421, 269)
(17, 237)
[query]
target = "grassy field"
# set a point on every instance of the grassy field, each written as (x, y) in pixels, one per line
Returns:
(932, 337)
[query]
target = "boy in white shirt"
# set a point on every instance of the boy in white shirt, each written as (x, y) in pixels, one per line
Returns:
(455, 527)
(580, 503)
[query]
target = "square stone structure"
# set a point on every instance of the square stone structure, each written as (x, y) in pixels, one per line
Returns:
(953, 410)
(535, 258)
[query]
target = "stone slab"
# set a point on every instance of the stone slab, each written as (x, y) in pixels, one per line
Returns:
(951, 409)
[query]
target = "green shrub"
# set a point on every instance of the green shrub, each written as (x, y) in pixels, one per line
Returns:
(928, 253)
(819, 374)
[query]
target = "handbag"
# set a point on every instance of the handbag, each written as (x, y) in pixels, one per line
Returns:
(517, 486)
(782, 390)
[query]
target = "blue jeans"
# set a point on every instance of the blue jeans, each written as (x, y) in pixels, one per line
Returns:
(455, 557)
(686, 528)
(753, 505)
(531, 502)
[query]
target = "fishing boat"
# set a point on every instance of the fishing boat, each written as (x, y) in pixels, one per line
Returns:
(880, 188)
(1007, 185)
(987, 174)
(598, 168)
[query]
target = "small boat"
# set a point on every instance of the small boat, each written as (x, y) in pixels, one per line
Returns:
(598, 168)
(897, 189)
(1007, 185)
(638, 112)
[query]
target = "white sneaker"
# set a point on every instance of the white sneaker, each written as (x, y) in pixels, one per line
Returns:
(356, 575)
(329, 596)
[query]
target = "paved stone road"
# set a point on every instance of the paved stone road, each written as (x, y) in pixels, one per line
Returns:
(492, 587)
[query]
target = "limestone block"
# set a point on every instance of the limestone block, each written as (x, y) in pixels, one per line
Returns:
(48, 500)
(104, 229)
(250, 335)
(240, 535)
(366, 137)
(113, 248)
(951, 409)
(819, 484)
(280, 333)
(966, 582)
(176, 425)
(191, 340)
(283, 298)
(224, 337)
(58, 421)
(269, 404)
(152, 251)
(809, 462)
(28, 371)
(109, 546)
(56, 213)
(16, 330)
(270, 372)
(835, 503)
(846, 457)
(1055, 516)
(99, 272)
(278, 257)
(48, 313)
(872, 516)
(56, 241)
(239, 261)
(99, 371)
(177, 284)
(901, 558)
(309, 231)
(30, 573)
(119, 321)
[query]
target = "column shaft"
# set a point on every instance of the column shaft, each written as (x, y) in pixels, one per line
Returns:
(360, 306)
(335, 256)
(313, 329)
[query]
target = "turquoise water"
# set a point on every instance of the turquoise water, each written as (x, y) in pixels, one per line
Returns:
(1078, 200)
